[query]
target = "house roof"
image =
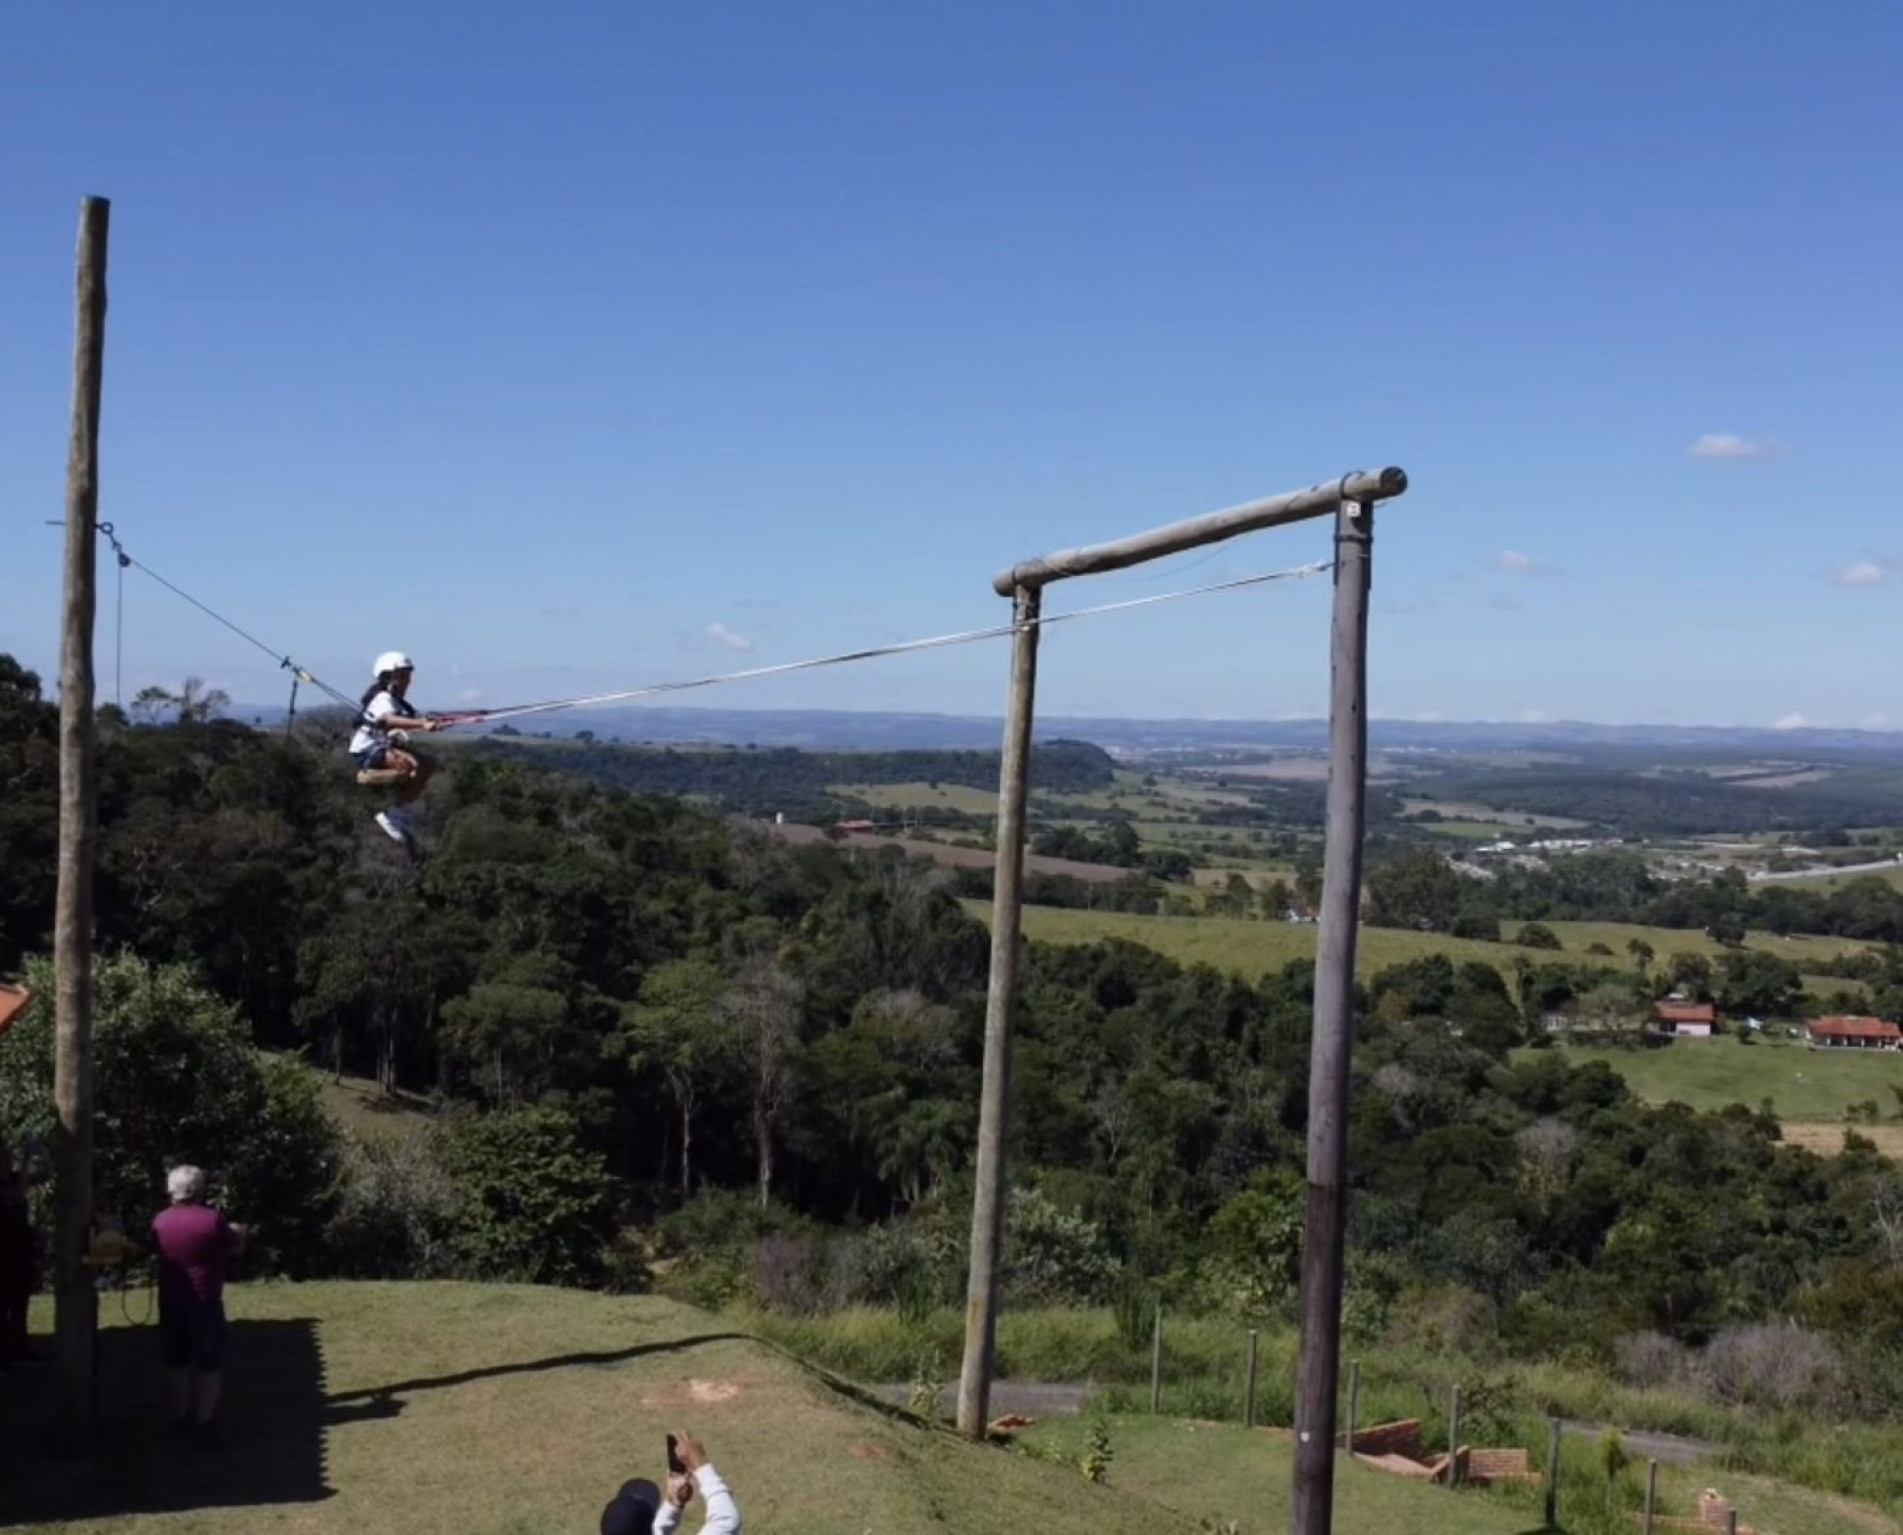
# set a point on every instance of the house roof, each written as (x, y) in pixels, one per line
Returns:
(1855, 1028)
(1686, 1012)
(13, 1001)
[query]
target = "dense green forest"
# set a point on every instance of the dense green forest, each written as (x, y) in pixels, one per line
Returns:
(1683, 803)
(660, 1043)
(763, 781)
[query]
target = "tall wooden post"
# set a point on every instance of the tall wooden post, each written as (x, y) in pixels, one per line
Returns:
(76, 1303)
(988, 1202)
(1312, 1512)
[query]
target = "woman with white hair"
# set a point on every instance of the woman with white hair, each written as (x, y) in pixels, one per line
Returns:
(195, 1245)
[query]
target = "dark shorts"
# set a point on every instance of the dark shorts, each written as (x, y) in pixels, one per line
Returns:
(371, 756)
(192, 1334)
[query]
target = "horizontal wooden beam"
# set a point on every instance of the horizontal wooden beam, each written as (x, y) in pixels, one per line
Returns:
(1211, 528)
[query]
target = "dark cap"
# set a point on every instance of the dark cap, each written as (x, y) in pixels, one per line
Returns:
(633, 1509)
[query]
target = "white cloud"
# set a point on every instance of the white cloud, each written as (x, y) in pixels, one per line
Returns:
(1731, 445)
(1877, 721)
(468, 695)
(1790, 722)
(1513, 562)
(1859, 573)
(724, 637)
(1536, 717)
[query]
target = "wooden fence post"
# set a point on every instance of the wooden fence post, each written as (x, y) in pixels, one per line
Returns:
(1156, 1361)
(1651, 1492)
(1354, 1402)
(1248, 1394)
(1453, 1439)
(1552, 1476)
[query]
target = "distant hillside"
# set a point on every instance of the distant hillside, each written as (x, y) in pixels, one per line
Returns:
(770, 780)
(871, 730)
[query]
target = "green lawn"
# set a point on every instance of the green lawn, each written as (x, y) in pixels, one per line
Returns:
(508, 1410)
(1233, 1476)
(1226, 1475)
(1251, 947)
(1709, 1073)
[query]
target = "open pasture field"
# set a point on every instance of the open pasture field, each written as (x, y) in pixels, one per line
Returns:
(1804, 1085)
(1251, 947)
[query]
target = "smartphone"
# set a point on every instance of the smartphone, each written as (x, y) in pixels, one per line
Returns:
(674, 1463)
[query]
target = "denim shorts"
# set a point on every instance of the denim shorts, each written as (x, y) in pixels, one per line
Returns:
(371, 757)
(192, 1334)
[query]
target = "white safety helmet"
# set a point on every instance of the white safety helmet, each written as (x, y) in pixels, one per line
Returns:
(392, 661)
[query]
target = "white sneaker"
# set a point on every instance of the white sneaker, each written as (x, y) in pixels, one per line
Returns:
(396, 825)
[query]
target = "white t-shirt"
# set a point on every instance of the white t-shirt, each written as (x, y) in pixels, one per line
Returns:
(370, 732)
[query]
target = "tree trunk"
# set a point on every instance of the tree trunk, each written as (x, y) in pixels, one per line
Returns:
(687, 1144)
(763, 1145)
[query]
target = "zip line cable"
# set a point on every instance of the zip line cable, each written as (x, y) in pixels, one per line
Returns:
(811, 663)
(285, 663)
(903, 647)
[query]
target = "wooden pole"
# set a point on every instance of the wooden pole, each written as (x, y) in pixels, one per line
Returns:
(1651, 1492)
(1211, 528)
(1731, 1521)
(1156, 1362)
(994, 1103)
(76, 1314)
(1248, 1391)
(1453, 1439)
(1312, 1512)
(1552, 1475)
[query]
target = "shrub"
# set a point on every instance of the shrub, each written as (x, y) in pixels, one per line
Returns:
(1053, 1257)
(1648, 1360)
(1777, 1366)
(791, 1272)
(396, 1218)
(706, 1252)
(176, 1079)
(533, 1202)
(1537, 935)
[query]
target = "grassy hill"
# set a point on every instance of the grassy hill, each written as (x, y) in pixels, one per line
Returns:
(1233, 943)
(511, 1410)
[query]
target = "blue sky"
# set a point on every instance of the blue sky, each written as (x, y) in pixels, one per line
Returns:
(575, 346)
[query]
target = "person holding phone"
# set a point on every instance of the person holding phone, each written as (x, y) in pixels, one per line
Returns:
(642, 1508)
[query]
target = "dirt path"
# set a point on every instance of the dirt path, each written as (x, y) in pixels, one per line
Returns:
(1670, 1449)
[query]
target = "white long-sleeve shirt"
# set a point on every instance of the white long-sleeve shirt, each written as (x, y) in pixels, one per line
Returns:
(723, 1514)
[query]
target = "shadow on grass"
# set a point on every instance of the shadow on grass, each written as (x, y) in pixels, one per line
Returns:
(274, 1395)
(606, 1359)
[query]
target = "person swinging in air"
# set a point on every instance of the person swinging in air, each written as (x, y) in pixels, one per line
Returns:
(379, 746)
